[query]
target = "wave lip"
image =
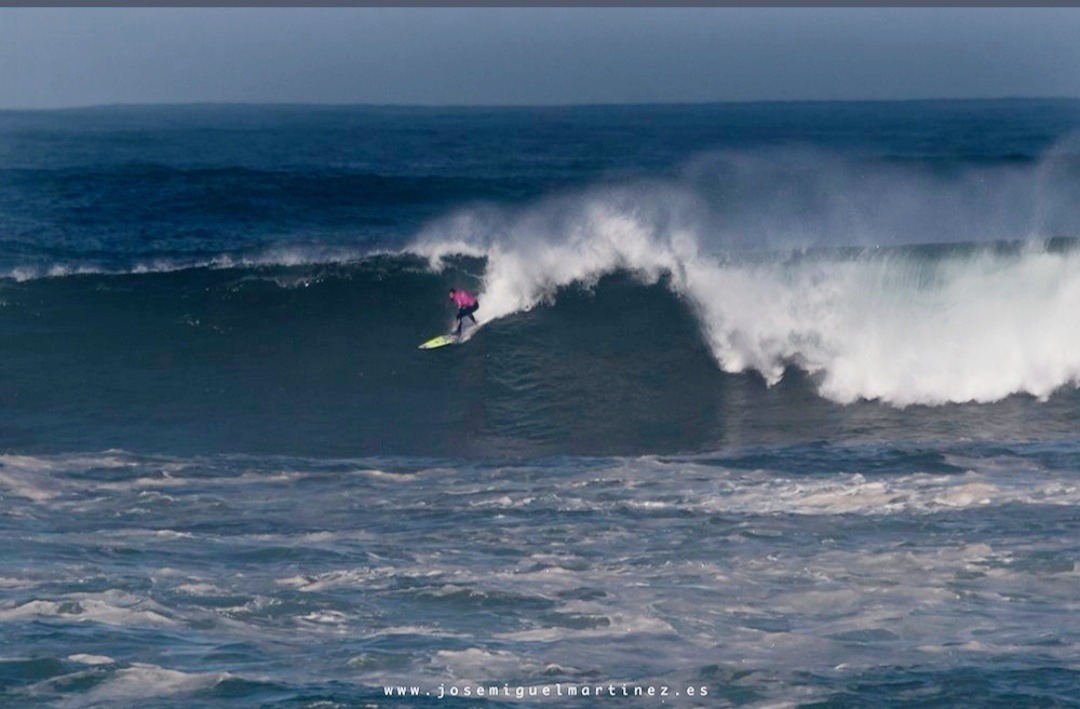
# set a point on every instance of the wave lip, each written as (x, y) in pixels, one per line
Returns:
(279, 256)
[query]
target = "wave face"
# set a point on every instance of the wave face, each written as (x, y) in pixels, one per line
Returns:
(321, 358)
(652, 279)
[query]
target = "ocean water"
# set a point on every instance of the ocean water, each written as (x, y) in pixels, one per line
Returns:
(768, 405)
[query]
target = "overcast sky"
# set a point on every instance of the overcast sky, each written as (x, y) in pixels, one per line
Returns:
(86, 56)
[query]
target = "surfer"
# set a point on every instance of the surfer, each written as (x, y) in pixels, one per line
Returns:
(467, 305)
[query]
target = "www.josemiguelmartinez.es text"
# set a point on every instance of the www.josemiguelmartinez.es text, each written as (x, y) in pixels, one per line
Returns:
(508, 691)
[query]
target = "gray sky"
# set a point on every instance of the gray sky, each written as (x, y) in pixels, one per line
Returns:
(84, 56)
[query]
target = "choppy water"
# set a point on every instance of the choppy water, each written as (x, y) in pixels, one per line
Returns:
(866, 575)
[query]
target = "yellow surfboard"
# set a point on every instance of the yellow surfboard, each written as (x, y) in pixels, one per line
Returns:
(440, 341)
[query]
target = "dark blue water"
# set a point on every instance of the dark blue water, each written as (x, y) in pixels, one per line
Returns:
(776, 403)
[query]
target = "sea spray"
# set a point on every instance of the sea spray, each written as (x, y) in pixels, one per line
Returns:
(904, 325)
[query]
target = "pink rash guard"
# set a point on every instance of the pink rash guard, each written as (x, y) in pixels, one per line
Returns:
(463, 298)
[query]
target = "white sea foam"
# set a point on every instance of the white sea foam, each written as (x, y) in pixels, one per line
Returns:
(13, 485)
(325, 618)
(113, 607)
(425, 631)
(36, 478)
(85, 659)
(141, 682)
(343, 578)
(478, 664)
(8, 582)
(900, 327)
(918, 494)
(201, 589)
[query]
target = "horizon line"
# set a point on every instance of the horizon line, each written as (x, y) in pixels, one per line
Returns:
(568, 104)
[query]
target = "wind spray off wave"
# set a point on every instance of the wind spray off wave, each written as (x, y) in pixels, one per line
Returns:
(906, 325)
